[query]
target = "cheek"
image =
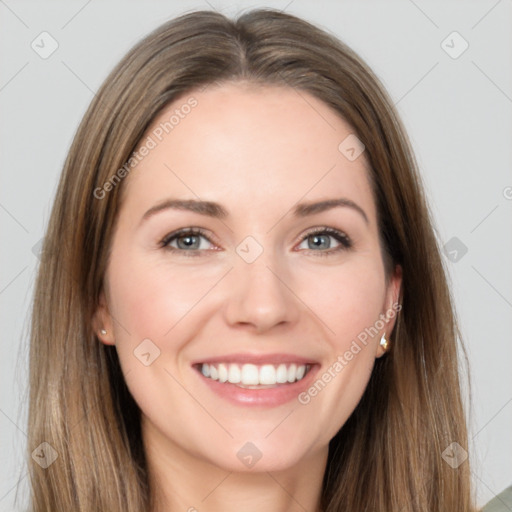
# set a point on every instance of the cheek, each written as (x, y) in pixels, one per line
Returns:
(149, 299)
(348, 301)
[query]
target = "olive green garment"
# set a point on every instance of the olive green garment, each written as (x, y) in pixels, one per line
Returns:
(501, 503)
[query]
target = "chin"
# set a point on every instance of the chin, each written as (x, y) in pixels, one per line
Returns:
(260, 455)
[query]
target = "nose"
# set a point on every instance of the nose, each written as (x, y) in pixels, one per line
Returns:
(260, 295)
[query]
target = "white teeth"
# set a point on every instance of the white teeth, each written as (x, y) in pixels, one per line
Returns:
(267, 374)
(205, 370)
(292, 372)
(234, 373)
(252, 375)
(223, 373)
(281, 374)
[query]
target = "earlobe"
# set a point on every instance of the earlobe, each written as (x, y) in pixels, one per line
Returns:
(383, 346)
(393, 306)
(102, 322)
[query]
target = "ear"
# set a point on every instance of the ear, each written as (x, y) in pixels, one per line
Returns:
(392, 307)
(102, 321)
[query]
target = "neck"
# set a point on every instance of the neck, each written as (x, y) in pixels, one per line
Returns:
(181, 481)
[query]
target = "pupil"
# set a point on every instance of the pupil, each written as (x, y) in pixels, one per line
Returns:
(188, 240)
(319, 237)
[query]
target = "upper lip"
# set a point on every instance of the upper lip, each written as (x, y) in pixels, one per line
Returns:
(256, 359)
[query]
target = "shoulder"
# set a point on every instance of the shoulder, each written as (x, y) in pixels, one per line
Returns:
(500, 503)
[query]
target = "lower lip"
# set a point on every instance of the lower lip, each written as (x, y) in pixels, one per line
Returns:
(266, 397)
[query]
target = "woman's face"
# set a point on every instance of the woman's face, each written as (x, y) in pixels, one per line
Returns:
(285, 299)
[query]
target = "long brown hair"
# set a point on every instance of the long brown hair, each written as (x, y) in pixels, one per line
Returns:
(388, 455)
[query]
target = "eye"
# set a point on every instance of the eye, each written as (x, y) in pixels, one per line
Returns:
(319, 239)
(188, 241)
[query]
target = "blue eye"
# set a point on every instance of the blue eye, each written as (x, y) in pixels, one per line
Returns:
(188, 241)
(320, 239)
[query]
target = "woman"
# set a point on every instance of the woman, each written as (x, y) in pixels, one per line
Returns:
(241, 302)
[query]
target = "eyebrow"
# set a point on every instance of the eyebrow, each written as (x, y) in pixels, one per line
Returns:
(217, 211)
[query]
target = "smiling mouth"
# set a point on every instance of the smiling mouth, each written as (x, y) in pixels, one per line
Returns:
(252, 376)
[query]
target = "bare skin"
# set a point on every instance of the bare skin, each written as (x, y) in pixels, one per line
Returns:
(257, 152)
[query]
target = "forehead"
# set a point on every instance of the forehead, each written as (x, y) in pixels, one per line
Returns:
(243, 144)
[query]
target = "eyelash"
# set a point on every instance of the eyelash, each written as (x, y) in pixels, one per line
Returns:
(342, 238)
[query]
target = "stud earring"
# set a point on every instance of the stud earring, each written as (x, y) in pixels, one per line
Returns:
(384, 343)
(103, 331)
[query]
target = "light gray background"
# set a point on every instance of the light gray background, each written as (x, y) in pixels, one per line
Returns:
(457, 113)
